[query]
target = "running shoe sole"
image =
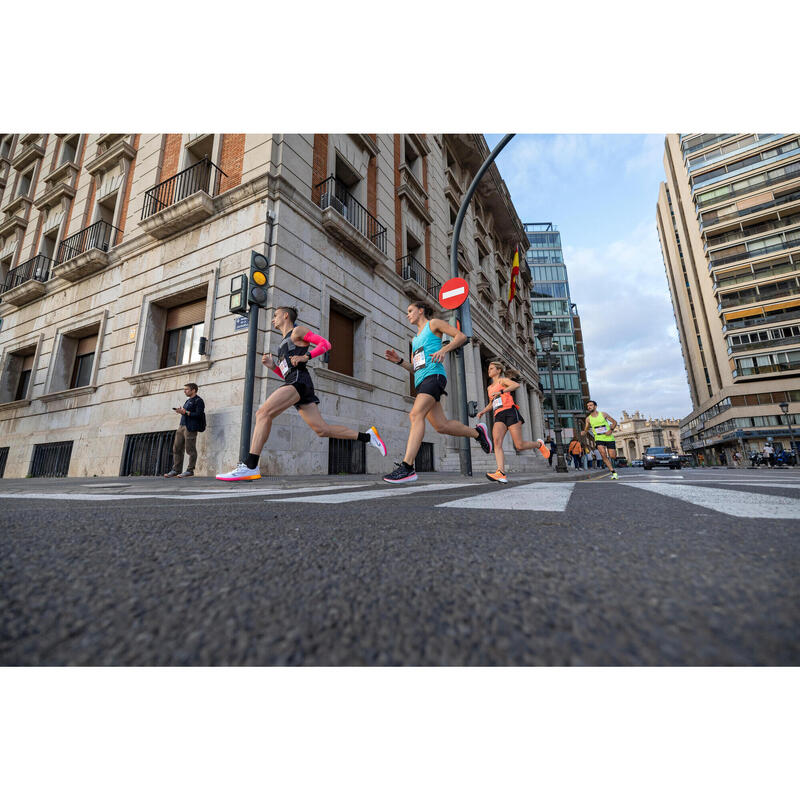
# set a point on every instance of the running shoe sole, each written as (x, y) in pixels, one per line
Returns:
(408, 479)
(488, 438)
(545, 451)
(374, 431)
(496, 480)
(243, 478)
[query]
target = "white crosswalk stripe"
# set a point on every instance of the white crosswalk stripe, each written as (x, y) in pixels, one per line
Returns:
(376, 494)
(731, 502)
(531, 497)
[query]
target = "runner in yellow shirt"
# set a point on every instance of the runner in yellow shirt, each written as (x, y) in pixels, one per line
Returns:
(602, 425)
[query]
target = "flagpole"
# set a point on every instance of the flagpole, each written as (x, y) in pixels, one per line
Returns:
(464, 455)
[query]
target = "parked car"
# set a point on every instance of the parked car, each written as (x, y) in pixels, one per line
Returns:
(620, 461)
(637, 462)
(661, 457)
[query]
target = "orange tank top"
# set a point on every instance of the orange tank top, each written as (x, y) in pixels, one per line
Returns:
(501, 403)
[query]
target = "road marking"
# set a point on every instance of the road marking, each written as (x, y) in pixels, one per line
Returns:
(727, 501)
(350, 497)
(197, 494)
(532, 497)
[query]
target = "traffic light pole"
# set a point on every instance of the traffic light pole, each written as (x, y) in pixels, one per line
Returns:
(464, 455)
(250, 364)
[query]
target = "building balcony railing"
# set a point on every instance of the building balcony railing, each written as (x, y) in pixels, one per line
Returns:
(412, 270)
(752, 230)
(702, 144)
(767, 343)
(757, 182)
(35, 269)
(751, 277)
(781, 316)
(787, 291)
(711, 219)
(764, 369)
(204, 176)
(99, 236)
(333, 194)
(794, 241)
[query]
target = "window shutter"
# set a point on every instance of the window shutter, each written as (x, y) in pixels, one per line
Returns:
(341, 336)
(87, 345)
(188, 314)
(755, 200)
(27, 363)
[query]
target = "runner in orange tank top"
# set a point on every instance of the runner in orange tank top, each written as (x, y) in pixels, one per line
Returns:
(506, 418)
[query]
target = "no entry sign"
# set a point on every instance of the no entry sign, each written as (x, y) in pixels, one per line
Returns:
(453, 293)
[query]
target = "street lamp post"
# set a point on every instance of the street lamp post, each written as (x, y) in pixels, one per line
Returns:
(545, 337)
(739, 439)
(784, 406)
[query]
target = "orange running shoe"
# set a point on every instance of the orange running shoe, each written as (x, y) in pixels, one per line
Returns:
(499, 477)
(545, 451)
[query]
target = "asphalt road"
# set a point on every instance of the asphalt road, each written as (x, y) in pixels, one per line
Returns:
(627, 573)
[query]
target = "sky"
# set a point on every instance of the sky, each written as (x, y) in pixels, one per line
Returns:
(600, 191)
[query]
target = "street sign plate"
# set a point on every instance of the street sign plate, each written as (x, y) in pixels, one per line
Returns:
(453, 293)
(241, 323)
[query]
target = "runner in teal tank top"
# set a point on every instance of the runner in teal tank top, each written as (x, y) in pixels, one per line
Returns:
(602, 426)
(430, 380)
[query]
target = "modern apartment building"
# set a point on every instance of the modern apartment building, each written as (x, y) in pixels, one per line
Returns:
(728, 219)
(116, 258)
(553, 307)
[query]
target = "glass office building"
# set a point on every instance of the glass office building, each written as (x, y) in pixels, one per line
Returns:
(552, 306)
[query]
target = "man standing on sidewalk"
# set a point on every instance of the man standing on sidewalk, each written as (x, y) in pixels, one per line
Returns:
(193, 421)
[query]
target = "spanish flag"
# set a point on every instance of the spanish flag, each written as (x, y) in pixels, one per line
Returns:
(514, 272)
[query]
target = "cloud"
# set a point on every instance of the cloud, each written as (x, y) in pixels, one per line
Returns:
(633, 355)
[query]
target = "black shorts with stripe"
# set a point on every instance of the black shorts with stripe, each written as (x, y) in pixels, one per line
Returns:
(509, 416)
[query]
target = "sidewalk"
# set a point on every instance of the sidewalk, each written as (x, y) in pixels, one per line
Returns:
(151, 485)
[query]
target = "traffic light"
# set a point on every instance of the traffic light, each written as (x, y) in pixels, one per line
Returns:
(259, 275)
(238, 299)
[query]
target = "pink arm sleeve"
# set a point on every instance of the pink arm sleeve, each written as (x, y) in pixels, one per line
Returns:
(322, 345)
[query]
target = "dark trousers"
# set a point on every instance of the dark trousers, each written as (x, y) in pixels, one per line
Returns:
(576, 460)
(184, 440)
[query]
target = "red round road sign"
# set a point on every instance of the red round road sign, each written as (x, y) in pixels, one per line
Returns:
(453, 293)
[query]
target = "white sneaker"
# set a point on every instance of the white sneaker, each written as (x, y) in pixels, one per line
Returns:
(241, 473)
(376, 441)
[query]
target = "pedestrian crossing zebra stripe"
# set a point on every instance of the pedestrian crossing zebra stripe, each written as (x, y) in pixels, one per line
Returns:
(376, 494)
(531, 497)
(727, 501)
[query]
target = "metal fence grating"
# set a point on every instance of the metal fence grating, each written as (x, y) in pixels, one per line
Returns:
(424, 460)
(348, 456)
(147, 453)
(51, 460)
(3, 459)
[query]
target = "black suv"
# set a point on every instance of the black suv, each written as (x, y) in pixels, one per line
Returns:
(661, 457)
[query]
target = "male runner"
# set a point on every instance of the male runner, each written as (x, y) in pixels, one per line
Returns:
(602, 425)
(297, 391)
(430, 380)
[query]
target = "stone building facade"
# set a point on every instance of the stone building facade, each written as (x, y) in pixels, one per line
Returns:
(635, 433)
(116, 257)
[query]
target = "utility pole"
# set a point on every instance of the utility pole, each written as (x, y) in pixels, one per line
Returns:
(464, 455)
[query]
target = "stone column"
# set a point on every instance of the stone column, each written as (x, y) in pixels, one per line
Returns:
(525, 410)
(537, 417)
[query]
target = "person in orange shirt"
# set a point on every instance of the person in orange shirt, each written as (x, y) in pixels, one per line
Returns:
(506, 417)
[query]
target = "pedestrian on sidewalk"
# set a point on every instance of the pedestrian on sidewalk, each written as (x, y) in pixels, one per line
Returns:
(551, 448)
(575, 449)
(193, 421)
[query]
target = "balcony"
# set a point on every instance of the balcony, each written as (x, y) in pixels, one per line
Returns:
(85, 252)
(780, 290)
(763, 345)
(780, 175)
(25, 283)
(752, 230)
(27, 156)
(350, 223)
(790, 240)
(417, 281)
(416, 196)
(182, 200)
(708, 221)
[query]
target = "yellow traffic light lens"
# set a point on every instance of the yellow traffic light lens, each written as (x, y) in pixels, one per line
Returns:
(259, 277)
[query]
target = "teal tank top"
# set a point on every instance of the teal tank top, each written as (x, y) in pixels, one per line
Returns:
(423, 346)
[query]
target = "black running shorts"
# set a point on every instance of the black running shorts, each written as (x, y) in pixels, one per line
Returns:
(509, 416)
(305, 388)
(433, 385)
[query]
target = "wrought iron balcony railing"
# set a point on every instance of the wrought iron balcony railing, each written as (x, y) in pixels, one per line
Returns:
(333, 194)
(414, 271)
(204, 176)
(35, 269)
(101, 235)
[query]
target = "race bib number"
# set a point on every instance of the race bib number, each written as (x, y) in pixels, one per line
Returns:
(283, 367)
(497, 403)
(418, 359)
(601, 429)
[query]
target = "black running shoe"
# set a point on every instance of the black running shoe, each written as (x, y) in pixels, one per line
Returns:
(401, 475)
(483, 438)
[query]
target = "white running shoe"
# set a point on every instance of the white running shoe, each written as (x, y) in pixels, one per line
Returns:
(241, 473)
(375, 440)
